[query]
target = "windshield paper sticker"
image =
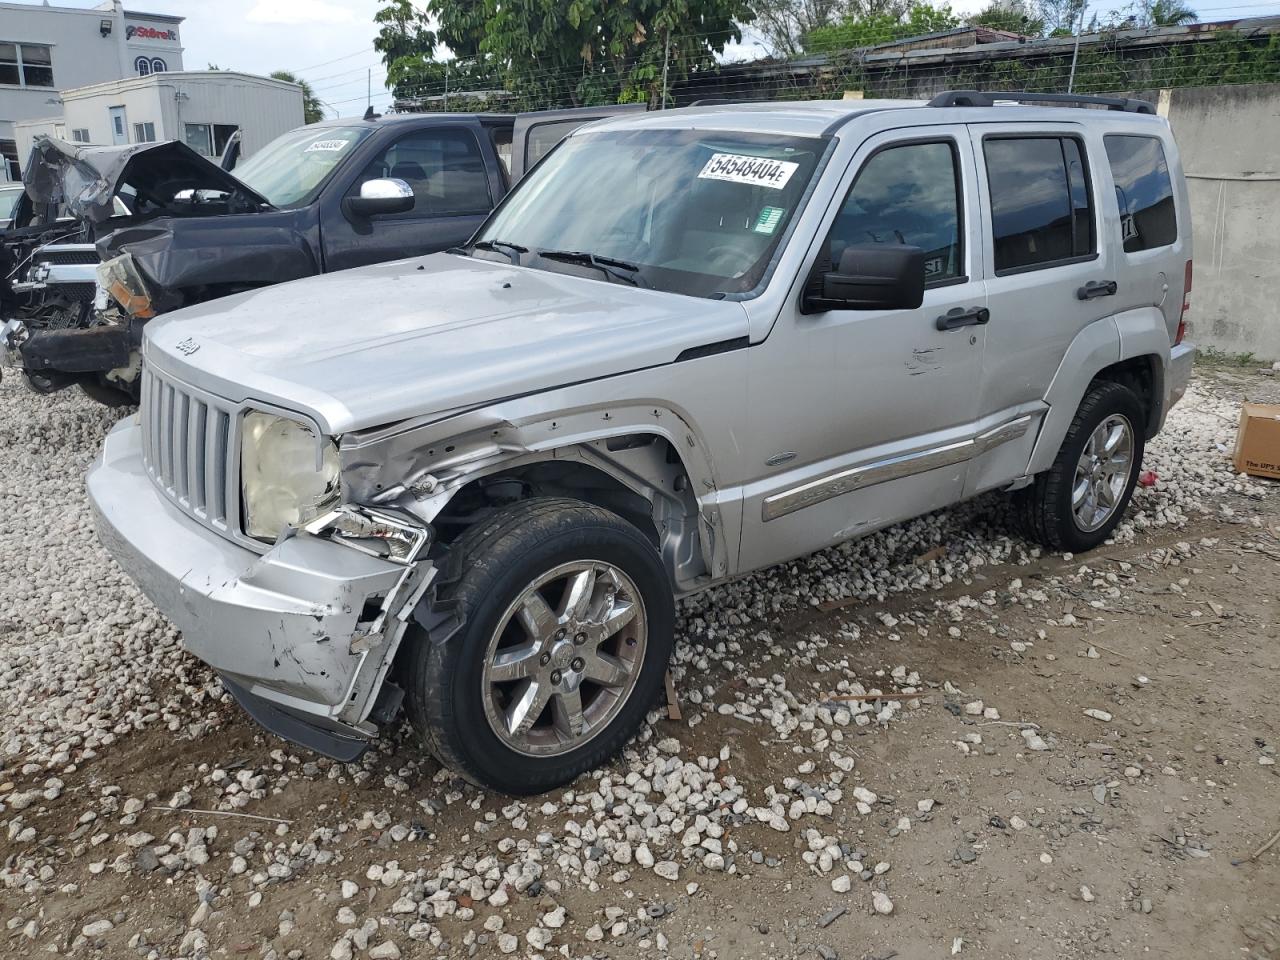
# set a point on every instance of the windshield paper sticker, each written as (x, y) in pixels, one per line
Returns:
(326, 145)
(769, 219)
(754, 171)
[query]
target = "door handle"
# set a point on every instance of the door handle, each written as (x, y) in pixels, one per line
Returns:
(1097, 288)
(958, 317)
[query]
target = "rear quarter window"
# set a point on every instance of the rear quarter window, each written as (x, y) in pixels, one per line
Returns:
(1144, 192)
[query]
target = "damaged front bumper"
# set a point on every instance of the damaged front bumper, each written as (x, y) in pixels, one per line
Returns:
(302, 635)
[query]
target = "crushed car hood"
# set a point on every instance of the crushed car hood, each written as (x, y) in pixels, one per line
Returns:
(375, 345)
(155, 173)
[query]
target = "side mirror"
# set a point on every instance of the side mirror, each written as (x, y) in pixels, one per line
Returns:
(871, 276)
(378, 198)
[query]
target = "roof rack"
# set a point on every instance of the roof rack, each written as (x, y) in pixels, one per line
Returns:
(977, 98)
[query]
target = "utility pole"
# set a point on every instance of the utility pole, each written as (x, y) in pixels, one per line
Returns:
(368, 92)
(446, 86)
(1075, 53)
(666, 60)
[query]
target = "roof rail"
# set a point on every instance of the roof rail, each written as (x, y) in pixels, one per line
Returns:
(977, 98)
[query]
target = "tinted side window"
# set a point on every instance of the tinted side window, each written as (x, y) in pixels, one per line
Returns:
(907, 194)
(1144, 192)
(444, 169)
(543, 136)
(1040, 201)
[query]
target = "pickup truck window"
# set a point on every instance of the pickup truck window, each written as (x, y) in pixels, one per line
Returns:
(290, 170)
(1144, 192)
(444, 169)
(906, 194)
(695, 212)
(1041, 213)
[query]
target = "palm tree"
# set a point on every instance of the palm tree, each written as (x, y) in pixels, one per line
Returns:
(1170, 13)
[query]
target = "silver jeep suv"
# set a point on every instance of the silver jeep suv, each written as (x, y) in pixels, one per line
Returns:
(690, 344)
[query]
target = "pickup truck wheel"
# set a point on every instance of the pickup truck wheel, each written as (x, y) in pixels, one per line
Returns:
(1077, 503)
(567, 620)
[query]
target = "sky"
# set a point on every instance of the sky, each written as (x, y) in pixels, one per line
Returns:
(329, 42)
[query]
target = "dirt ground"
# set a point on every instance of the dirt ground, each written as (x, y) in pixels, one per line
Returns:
(1127, 837)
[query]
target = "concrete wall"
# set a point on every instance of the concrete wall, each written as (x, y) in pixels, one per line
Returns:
(1229, 138)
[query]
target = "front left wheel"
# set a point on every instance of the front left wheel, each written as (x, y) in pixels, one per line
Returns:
(567, 618)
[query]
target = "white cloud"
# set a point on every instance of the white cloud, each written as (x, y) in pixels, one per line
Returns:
(300, 12)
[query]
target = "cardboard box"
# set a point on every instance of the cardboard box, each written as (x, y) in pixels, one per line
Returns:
(1258, 442)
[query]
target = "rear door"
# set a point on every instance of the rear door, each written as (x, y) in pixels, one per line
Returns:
(452, 170)
(1048, 277)
(536, 133)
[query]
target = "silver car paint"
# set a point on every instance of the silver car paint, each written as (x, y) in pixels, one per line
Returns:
(441, 371)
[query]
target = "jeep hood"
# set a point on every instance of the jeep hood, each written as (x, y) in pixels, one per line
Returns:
(159, 179)
(433, 335)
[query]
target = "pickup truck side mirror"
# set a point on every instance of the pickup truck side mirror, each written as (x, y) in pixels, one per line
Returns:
(871, 276)
(378, 198)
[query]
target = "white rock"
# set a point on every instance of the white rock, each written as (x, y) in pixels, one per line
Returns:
(881, 903)
(1098, 714)
(842, 883)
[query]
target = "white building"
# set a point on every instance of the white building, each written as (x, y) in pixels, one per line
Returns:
(45, 50)
(202, 108)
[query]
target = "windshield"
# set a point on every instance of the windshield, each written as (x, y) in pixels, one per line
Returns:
(290, 170)
(687, 211)
(8, 201)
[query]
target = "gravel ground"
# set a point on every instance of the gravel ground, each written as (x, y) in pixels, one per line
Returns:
(932, 741)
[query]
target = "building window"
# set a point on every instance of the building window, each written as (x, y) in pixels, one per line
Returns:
(26, 65)
(144, 133)
(158, 65)
(80, 135)
(143, 66)
(200, 138)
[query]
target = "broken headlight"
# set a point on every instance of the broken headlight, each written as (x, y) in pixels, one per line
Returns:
(288, 476)
(121, 279)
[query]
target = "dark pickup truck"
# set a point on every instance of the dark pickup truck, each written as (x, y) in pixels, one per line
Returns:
(172, 228)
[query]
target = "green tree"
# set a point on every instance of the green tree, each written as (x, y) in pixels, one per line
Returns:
(553, 52)
(1015, 16)
(867, 31)
(312, 108)
(1169, 13)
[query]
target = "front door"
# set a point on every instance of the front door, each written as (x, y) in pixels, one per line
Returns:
(859, 418)
(452, 193)
(119, 129)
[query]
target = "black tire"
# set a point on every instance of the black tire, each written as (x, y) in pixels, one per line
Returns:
(494, 561)
(1045, 507)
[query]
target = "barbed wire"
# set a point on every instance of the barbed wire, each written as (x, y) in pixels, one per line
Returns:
(1107, 60)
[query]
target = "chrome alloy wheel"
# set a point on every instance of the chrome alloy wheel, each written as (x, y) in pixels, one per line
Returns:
(565, 658)
(1102, 473)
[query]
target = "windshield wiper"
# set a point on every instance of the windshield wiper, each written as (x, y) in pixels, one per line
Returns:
(512, 250)
(611, 267)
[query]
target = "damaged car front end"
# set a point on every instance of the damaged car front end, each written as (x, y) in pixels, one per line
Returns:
(300, 625)
(117, 196)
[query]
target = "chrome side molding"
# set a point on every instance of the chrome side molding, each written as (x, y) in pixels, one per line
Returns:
(891, 468)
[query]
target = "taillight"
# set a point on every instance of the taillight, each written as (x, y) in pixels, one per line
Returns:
(1186, 305)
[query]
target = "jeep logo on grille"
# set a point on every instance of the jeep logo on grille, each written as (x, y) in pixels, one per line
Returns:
(188, 346)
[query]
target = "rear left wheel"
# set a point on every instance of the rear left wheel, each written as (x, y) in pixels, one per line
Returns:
(567, 629)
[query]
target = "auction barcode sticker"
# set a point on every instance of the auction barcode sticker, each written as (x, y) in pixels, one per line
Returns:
(755, 171)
